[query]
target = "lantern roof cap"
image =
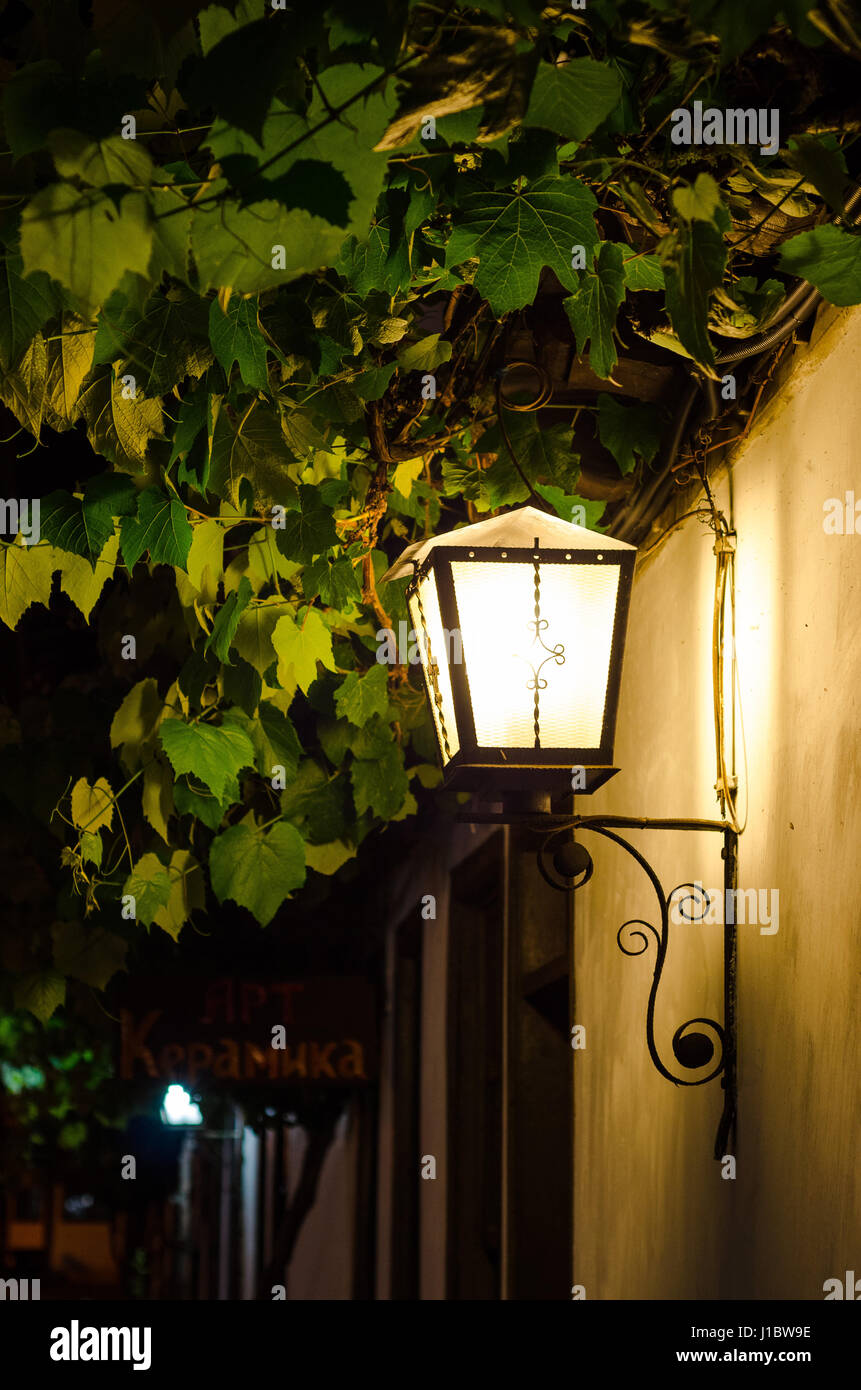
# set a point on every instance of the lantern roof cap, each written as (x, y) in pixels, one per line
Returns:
(517, 529)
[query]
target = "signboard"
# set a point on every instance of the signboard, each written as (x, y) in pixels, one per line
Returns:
(276, 1032)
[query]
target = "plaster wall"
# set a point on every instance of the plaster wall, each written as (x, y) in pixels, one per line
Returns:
(653, 1216)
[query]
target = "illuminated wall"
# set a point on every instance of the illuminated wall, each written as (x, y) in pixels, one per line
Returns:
(653, 1217)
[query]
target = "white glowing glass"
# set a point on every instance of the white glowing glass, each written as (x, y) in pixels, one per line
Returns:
(443, 647)
(514, 690)
(503, 656)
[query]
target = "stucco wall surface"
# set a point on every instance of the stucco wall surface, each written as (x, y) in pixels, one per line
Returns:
(653, 1216)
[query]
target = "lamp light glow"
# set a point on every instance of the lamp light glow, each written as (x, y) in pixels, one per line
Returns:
(178, 1108)
(520, 623)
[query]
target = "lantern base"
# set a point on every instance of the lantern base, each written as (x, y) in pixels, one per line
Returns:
(490, 781)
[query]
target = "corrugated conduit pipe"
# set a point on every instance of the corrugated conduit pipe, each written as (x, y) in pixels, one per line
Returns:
(789, 315)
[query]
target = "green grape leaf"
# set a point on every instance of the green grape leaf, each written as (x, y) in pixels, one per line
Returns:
(371, 383)
(328, 859)
(425, 355)
(187, 893)
(300, 643)
(171, 235)
(252, 447)
(359, 698)
(157, 797)
(149, 885)
(257, 869)
(106, 496)
(693, 260)
(253, 639)
(312, 185)
(258, 247)
(346, 145)
(91, 848)
(165, 342)
(573, 98)
(242, 71)
(215, 755)
(120, 426)
(373, 262)
(69, 359)
(26, 303)
(243, 686)
(315, 803)
(543, 453)
(336, 583)
(161, 527)
(36, 99)
(308, 532)
(592, 310)
(699, 201)
(406, 474)
(83, 526)
(84, 241)
(25, 389)
(627, 430)
(822, 164)
(205, 562)
(830, 258)
(372, 741)
(190, 425)
(281, 740)
(642, 271)
(99, 163)
(227, 621)
(380, 784)
(206, 808)
(515, 235)
(82, 581)
(581, 511)
(26, 576)
(40, 991)
(87, 953)
(63, 524)
(92, 806)
(135, 722)
(236, 337)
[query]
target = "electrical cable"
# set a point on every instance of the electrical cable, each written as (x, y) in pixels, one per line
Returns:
(543, 396)
(789, 315)
(798, 305)
(697, 511)
(794, 309)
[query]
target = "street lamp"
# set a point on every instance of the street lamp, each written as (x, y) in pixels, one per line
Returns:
(178, 1108)
(520, 626)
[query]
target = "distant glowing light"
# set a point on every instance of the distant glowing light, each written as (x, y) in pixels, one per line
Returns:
(178, 1108)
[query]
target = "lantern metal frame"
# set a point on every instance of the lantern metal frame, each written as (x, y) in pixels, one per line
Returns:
(483, 768)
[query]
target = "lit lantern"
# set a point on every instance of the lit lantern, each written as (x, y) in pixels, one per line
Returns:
(520, 626)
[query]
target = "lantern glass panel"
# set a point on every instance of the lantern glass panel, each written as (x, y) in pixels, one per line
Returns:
(441, 646)
(504, 655)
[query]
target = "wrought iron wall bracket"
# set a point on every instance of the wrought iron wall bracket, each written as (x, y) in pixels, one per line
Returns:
(566, 865)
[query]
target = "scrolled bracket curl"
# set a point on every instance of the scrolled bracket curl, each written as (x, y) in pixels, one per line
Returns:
(697, 1043)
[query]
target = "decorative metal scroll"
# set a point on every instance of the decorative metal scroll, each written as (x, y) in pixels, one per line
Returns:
(699, 1042)
(538, 625)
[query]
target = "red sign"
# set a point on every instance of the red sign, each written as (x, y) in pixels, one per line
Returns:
(277, 1032)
